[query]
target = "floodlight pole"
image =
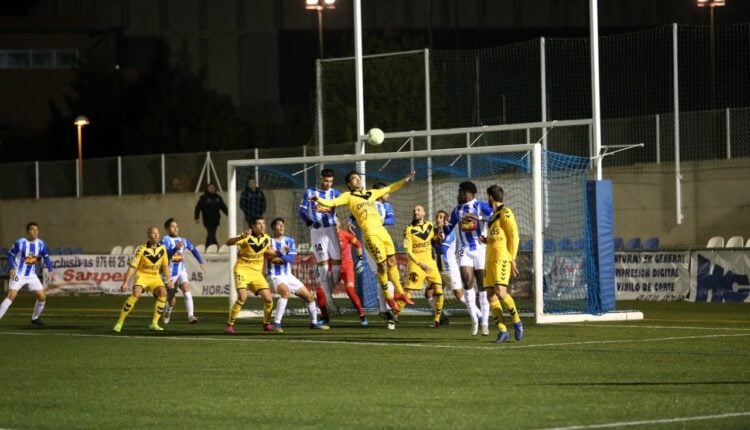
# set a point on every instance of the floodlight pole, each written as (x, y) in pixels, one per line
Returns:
(596, 124)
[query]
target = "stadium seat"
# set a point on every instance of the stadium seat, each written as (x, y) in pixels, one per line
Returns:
(527, 246)
(715, 242)
(619, 243)
(77, 250)
(201, 248)
(747, 244)
(212, 249)
(549, 245)
(224, 249)
(634, 243)
(55, 251)
(579, 244)
(651, 243)
(116, 250)
(735, 242)
(127, 250)
(66, 251)
(565, 244)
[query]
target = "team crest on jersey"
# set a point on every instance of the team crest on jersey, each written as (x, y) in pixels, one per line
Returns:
(30, 259)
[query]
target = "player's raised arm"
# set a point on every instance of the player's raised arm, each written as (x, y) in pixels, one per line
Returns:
(338, 201)
(233, 240)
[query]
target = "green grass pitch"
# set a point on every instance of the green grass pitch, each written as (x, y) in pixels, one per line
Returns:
(686, 365)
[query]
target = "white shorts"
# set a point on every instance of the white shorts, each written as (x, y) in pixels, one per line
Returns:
(19, 281)
(291, 282)
(180, 278)
(452, 278)
(325, 243)
(472, 258)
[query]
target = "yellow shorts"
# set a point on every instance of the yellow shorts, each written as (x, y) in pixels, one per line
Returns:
(148, 282)
(416, 276)
(250, 279)
(497, 273)
(380, 244)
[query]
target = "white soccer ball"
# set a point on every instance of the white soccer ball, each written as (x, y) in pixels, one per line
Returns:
(375, 136)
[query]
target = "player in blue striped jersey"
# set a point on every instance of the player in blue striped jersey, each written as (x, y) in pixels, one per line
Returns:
(177, 247)
(323, 235)
(447, 262)
(279, 269)
(471, 216)
(22, 259)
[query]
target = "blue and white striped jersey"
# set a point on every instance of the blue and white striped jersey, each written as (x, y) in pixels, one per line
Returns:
(446, 253)
(310, 212)
(24, 255)
(468, 235)
(385, 210)
(286, 251)
(177, 255)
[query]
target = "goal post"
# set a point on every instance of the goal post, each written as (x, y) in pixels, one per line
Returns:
(546, 191)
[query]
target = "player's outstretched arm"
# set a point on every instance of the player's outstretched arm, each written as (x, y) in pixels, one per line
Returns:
(233, 240)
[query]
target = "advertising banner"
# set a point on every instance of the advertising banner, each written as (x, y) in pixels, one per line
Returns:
(656, 276)
(720, 276)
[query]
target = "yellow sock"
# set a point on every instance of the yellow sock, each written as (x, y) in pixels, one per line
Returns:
(383, 282)
(510, 306)
(395, 279)
(236, 307)
(126, 308)
(497, 313)
(267, 308)
(161, 303)
(439, 299)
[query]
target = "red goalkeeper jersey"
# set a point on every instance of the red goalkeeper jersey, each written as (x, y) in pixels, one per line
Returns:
(347, 239)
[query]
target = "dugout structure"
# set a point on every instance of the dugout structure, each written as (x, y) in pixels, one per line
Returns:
(546, 190)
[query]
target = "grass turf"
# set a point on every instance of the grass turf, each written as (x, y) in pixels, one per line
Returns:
(685, 360)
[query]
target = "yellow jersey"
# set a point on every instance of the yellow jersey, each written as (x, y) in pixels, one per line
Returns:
(502, 235)
(418, 242)
(362, 204)
(251, 250)
(148, 261)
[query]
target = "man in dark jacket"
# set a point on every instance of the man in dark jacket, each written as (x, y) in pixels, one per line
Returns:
(252, 201)
(209, 205)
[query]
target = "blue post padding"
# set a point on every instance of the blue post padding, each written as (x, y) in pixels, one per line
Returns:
(601, 216)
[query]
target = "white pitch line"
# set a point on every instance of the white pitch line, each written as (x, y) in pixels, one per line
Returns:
(605, 325)
(651, 422)
(359, 343)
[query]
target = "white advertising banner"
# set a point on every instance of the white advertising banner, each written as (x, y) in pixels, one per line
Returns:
(103, 274)
(656, 276)
(720, 276)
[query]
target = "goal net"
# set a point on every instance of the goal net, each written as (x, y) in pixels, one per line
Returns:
(545, 190)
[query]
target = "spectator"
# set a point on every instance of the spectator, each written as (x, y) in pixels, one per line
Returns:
(209, 206)
(252, 201)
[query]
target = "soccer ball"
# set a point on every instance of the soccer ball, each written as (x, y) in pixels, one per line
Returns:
(375, 136)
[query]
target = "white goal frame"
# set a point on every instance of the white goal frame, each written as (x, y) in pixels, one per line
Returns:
(538, 241)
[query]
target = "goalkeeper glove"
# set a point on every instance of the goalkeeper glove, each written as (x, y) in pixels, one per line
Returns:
(360, 267)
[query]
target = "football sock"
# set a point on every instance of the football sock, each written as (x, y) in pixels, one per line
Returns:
(470, 298)
(126, 308)
(439, 298)
(236, 307)
(38, 308)
(4, 306)
(280, 308)
(485, 307)
(383, 282)
(395, 279)
(313, 312)
(267, 308)
(188, 296)
(497, 313)
(355, 300)
(161, 303)
(510, 306)
(321, 298)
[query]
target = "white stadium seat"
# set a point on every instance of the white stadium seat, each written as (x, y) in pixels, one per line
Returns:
(212, 249)
(201, 248)
(735, 242)
(715, 242)
(127, 250)
(224, 249)
(116, 250)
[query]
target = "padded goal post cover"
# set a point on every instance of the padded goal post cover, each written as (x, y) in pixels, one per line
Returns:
(601, 216)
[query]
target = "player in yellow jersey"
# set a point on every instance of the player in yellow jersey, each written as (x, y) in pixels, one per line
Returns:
(502, 248)
(361, 204)
(422, 266)
(253, 248)
(149, 259)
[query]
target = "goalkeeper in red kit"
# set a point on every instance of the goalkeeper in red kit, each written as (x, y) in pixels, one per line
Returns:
(347, 274)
